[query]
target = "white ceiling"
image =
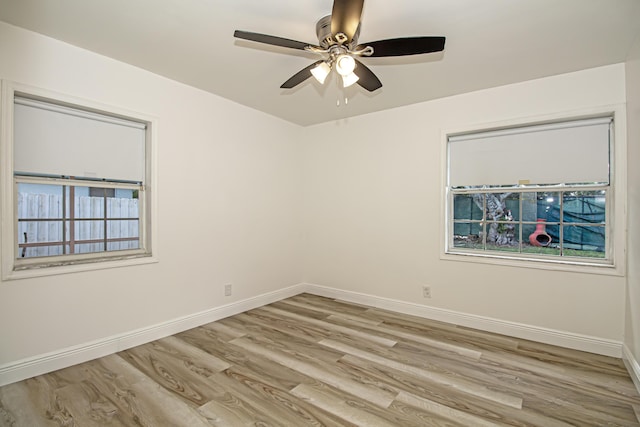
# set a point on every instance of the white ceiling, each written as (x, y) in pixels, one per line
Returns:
(489, 43)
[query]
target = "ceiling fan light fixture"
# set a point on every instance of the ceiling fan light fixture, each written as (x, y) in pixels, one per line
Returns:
(321, 71)
(349, 79)
(338, 36)
(345, 65)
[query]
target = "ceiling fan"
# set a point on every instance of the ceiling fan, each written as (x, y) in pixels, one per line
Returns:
(338, 44)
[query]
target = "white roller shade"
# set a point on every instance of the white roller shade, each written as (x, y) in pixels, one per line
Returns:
(54, 140)
(562, 153)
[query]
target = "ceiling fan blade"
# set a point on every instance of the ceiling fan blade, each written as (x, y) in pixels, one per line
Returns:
(366, 78)
(299, 77)
(345, 18)
(405, 46)
(272, 40)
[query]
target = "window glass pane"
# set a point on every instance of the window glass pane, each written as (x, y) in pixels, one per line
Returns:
(545, 223)
(47, 215)
(88, 230)
(584, 240)
(88, 207)
(508, 235)
(500, 228)
(128, 230)
(44, 203)
(548, 206)
(467, 235)
(468, 206)
(33, 234)
(584, 207)
(123, 206)
(39, 201)
(124, 222)
(512, 206)
(541, 211)
(585, 211)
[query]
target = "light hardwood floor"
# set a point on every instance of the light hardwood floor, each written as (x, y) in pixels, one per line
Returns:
(309, 360)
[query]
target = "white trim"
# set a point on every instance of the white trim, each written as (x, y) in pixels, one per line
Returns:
(76, 182)
(7, 211)
(30, 367)
(495, 258)
(80, 264)
(513, 329)
(27, 368)
(632, 365)
(529, 128)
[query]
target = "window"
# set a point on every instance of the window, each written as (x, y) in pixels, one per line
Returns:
(79, 184)
(540, 192)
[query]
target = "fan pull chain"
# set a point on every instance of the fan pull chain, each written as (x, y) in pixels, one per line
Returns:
(341, 91)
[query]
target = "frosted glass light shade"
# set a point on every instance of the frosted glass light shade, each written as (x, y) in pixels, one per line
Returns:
(349, 79)
(321, 71)
(345, 65)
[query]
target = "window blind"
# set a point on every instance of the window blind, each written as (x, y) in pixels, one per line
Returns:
(51, 139)
(560, 153)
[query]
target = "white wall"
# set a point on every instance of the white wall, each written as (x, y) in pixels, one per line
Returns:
(373, 205)
(228, 206)
(632, 325)
(233, 208)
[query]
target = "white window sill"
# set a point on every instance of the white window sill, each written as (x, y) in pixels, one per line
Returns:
(572, 265)
(92, 265)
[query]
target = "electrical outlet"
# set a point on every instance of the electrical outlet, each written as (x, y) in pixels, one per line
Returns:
(227, 289)
(426, 291)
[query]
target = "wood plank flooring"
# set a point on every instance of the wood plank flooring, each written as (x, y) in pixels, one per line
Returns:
(309, 360)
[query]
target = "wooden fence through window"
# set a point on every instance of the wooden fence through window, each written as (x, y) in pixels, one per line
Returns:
(48, 225)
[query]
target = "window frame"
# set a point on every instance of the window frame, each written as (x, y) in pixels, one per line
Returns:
(14, 267)
(614, 264)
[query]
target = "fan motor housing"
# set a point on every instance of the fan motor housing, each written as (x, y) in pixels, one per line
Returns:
(326, 38)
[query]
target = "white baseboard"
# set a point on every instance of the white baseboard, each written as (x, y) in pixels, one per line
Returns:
(513, 329)
(27, 368)
(632, 366)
